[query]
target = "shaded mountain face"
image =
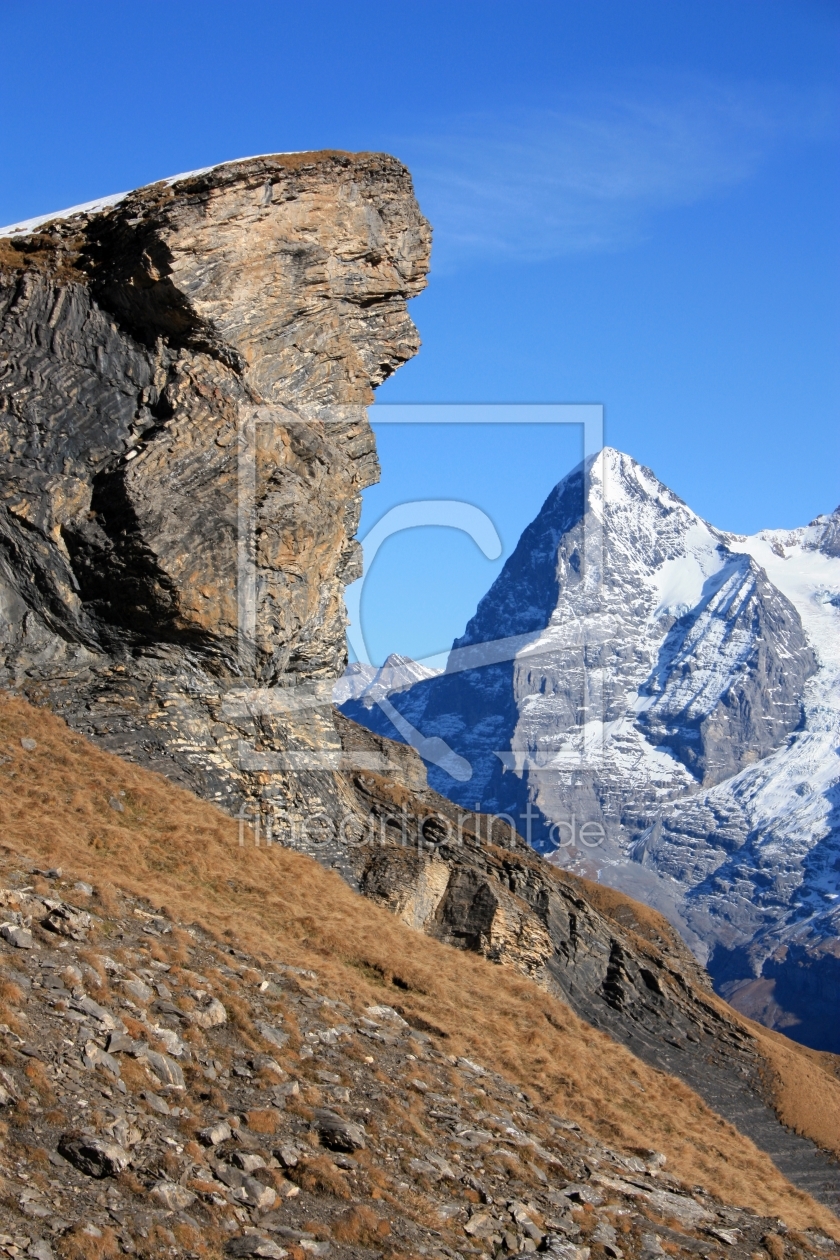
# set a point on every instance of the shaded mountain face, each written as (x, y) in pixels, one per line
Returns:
(663, 721)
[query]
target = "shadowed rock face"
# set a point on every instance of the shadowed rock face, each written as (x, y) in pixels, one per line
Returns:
(141, 339)
(184, 387)
(715, 738)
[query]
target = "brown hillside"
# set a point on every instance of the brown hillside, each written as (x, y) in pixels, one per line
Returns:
(184, 855)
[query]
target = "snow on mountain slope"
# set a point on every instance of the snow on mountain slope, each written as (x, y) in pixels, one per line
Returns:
(675, 688)
(356, 678)
(775, 900)
(367, 684)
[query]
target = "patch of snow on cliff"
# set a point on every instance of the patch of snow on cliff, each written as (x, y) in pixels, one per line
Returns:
(353, 682)
(369, 684)
(680, 580)
(87, 207)
(105, 203)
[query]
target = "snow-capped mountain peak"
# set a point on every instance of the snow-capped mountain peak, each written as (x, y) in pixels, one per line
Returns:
(674, 686)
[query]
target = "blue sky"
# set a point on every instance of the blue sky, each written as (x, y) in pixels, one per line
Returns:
(634, 204)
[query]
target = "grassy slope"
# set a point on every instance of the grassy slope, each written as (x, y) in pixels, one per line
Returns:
(183, 854)
(805, 1083)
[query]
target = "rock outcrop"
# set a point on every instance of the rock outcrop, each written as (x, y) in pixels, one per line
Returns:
(184, 443)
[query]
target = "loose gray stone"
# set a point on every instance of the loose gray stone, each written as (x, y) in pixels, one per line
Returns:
(257, 1195)
(87, 1006)
(254, 1245)
(271, 1034)
(156, 1103)
(337, 1133)
(18, 936)
(92, 1155)
(247, 1161)
(120, 1043)
(139, 990)
(287, 1155)
(215, 1133)
(172, 1196)
(68, 921)
(210, 1015)
(166, 1069)
(41, 1250)
(94, 1056)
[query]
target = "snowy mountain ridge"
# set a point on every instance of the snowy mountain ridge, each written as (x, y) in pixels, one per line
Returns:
(677, 689)
(369, 683)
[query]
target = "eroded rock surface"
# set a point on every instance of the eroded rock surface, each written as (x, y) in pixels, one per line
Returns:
(184, 442)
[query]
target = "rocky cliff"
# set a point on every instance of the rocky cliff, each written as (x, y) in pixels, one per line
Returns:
(184, 443)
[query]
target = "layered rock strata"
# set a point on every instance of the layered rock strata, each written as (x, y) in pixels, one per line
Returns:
(184, 444)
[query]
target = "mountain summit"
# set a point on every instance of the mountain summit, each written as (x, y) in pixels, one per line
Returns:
(657, 700)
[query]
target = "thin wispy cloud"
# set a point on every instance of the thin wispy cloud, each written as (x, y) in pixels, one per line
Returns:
(592, 173)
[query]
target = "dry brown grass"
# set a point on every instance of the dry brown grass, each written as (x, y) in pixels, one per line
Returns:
(263, 1121)
(36, 1074)
(616, 905)
(360, 1225)
(9, 992)
(805, 1086)
(805, 1083)
(182, 852)
(320, 1176)
(78, 1245)
(774, 1246)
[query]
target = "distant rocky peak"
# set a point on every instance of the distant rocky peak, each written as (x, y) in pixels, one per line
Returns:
(610, 520)
(647, 662)
(830, 541)
(368, 684)
(822, 534)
